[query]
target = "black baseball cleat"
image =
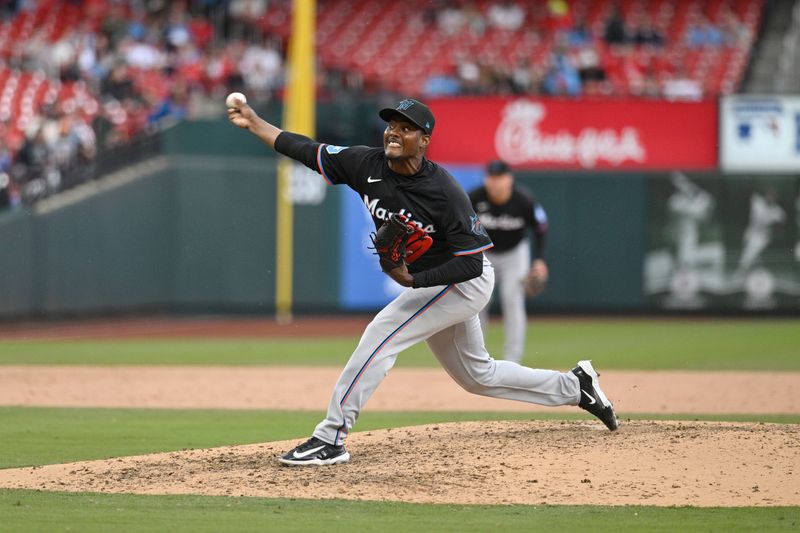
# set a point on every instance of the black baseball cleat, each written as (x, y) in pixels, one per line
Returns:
(592, 397)
(315, 452)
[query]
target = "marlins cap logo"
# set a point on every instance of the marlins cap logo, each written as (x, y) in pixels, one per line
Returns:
(405, 104)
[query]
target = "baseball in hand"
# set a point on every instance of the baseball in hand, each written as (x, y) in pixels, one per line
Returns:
(232, 98)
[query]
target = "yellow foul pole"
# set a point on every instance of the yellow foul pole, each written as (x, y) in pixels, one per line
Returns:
(298, 117)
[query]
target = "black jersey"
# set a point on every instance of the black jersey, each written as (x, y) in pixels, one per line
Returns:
(431, 198)
(508, 223)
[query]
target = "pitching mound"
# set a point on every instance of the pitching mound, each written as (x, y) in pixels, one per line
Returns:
(537, 462)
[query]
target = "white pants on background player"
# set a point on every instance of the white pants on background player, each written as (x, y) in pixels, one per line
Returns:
(511, 268)
(447, 318)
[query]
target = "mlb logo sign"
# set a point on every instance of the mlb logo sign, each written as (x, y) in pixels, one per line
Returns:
(760, 134)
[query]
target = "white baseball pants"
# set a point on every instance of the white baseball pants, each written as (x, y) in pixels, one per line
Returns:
(511, 268)
(447, 318)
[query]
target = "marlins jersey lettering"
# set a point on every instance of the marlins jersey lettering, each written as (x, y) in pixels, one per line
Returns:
(507, 223)
(431, 198)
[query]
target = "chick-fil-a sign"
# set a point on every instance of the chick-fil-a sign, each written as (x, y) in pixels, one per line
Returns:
(576, 134)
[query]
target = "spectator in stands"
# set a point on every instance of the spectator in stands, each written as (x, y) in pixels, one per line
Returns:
(734, 33)
(506, 15)
(442, 85)
(176, 30)
(119, 83)
(644, 33)
(588, 63)
(562, 77)
(526, 78)
(116, 23)
(248, 10)
(498, 78)
(474, 19)
(469, 75)
(6, 159)
(262, 69)
(218, 69)
(681, 86)
(141, 53)
(616, 32)
(5, 190)
(6, 184)
(650, 87)
(450, 18)
(34, 154)
(174, 107)
(35, 168)
(704, 33)
(580, 34)
(72, 151)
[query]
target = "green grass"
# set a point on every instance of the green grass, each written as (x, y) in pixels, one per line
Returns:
(763, 344)
(44, 435)
(25, 511)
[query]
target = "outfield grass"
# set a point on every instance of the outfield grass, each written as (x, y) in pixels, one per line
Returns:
(628, 344)
(32, 511)
(43, 435)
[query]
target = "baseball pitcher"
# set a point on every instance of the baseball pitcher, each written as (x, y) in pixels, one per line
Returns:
(429, 240)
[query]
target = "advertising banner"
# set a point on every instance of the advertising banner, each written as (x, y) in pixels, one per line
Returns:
(724, 242)
(553, 134)
(760, 134)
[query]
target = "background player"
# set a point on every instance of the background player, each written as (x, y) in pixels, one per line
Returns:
(446, 287)
(508, 211)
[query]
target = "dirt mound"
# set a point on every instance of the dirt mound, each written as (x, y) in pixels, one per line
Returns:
(536, 462)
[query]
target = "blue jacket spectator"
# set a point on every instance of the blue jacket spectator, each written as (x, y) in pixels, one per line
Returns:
(562, 78)
(704, 33)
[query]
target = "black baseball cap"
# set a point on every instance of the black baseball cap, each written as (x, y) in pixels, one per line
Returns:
(497, 167)
(413, 110)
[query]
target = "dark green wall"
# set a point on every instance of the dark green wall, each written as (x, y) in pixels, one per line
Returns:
(17, 262)
(198, 235)
(110, 251)
(316, 254)
(224, 246)
(596, 241)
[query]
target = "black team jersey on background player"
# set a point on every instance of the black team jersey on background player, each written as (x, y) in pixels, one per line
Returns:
(431, 198)
(508, 223)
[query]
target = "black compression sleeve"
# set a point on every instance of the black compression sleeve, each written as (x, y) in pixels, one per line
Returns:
(298, 147)
(459, 268)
